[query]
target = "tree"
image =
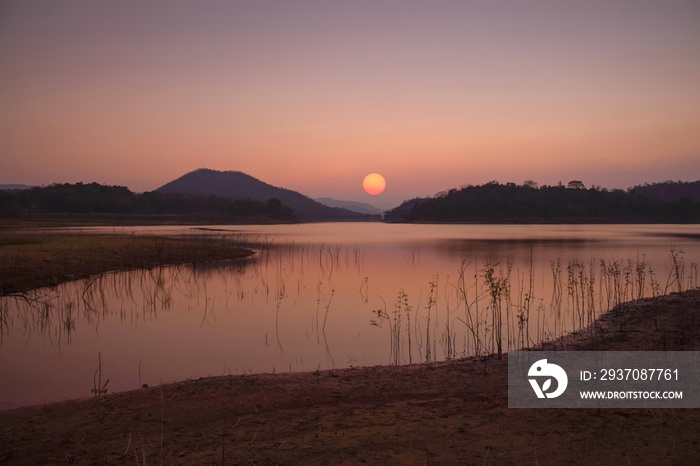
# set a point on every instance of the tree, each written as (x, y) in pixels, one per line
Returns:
(575, 184)
(274, 206)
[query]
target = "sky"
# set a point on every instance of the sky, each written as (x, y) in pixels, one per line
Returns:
(312, 95)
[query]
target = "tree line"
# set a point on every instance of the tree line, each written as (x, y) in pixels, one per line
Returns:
(528, 203)
(94, 198)
(670, 190)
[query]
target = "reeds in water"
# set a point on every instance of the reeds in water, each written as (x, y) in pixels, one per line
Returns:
(496, 318)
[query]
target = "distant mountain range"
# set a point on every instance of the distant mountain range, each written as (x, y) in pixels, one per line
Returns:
(238, 185)
(236, 196)
(360, 207)
(13, 187)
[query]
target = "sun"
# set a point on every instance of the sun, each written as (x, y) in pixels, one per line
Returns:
(374, 183)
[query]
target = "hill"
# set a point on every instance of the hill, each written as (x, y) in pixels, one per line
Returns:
(238, 185)
(511, 203)
(13, 187)
(359, 207)
(669, 190)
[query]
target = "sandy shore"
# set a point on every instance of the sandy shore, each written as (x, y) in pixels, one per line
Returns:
(453, 412)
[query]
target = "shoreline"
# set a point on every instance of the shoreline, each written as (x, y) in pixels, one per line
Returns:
(37, 259)
(445, 412)
(442, 413)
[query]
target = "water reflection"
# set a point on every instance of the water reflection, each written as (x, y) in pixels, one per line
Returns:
(305, 301)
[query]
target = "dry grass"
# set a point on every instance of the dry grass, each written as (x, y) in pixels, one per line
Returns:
(38, 258)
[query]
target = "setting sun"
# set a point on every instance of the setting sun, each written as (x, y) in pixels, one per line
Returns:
(374, 184)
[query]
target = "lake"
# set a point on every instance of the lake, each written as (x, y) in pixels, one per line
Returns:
(331, 295)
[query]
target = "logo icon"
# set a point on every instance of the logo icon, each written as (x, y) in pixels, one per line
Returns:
(544, 369)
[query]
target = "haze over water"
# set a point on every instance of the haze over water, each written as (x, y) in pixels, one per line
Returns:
(307, 300)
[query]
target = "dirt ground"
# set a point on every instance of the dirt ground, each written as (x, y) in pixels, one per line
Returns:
(454, 412)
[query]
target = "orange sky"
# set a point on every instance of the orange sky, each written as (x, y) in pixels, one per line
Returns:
(313, 95)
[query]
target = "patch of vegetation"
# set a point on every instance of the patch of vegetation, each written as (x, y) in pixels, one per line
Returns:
(15, 240)
(670, 190)
(33, 260)
(527, 203)
(94, 198)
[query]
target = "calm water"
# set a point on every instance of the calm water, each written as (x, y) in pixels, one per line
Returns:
(319, 296)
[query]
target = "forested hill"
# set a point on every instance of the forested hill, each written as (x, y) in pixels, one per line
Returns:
(94, 198)
(511, 203)
(238, 185)
(670, 190)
